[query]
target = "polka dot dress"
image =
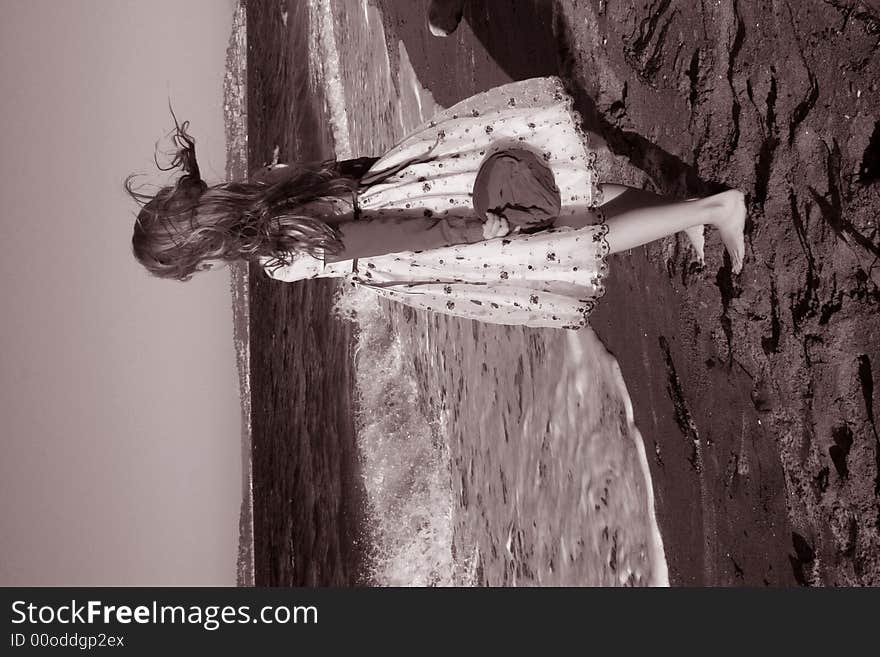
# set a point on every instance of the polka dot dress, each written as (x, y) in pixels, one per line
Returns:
(551, 278)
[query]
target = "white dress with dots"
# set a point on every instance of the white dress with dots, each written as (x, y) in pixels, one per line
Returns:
(551, 278)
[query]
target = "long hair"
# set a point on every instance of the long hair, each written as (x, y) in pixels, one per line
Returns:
(186, 224)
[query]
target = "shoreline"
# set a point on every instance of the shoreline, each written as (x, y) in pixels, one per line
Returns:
(752, 485)
(404, 80)
(763, 381)
(439, 64)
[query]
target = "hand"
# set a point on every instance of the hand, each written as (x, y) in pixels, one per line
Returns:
(495, 226)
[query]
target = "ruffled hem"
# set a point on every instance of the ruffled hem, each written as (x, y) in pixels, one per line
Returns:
(562, 95)
(596, 198)
(600, 237)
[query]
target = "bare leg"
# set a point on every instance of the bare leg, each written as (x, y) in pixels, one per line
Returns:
(611, 191)
(636, 217)
(636, 198)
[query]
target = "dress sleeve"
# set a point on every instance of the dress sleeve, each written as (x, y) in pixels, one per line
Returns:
(384, 233)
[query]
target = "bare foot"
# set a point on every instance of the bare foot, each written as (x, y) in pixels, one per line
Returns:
(731, 225)
(697, 237)
(698, 240)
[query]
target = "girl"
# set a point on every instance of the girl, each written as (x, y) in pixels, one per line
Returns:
(491, 211)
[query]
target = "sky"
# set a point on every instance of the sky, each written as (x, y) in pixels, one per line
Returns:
(119, 403)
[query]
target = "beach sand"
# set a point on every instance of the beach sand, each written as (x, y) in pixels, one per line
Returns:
(755, 395)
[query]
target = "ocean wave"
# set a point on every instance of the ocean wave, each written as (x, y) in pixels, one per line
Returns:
(403, 452)
(405, 462)
(324, 64)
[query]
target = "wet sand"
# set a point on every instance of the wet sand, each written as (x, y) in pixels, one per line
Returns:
(755, 395)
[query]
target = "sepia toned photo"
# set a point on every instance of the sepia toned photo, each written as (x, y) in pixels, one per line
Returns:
(441, 293)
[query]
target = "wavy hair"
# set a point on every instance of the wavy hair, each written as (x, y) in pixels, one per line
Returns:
(188, 223)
